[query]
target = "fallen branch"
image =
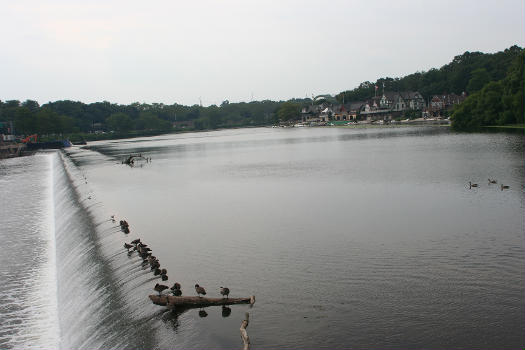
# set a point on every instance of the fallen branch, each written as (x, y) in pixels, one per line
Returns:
(244, 334)
(190, 302)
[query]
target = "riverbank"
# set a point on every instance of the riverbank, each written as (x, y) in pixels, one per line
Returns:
(508, 126)
(11, 149)
(80, 137)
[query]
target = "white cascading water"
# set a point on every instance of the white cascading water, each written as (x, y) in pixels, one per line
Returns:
(96, 282)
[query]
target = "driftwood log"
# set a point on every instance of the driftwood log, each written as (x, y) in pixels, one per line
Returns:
(191, 302)
(244, 334)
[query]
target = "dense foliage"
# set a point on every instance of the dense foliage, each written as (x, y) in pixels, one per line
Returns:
(496, 103)
(72, 117)
(468, 72)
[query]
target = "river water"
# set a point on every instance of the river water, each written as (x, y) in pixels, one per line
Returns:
(348, 238)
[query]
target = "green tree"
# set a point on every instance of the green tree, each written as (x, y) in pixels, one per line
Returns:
(119, 122)
(289, 111)
(497, 103)
(25, 122)
(480, 77)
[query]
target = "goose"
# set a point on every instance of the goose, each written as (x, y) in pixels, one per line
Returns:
(176, 292)
(504, 187)
(492, 181)
(164, 277)
(164, 271)
(472, 185)
(156, 272)
(225, 291)
(160, 288)
(128, 246)
(200, 290)
(176, 285)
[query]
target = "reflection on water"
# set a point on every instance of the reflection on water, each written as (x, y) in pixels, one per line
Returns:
(226, 311)
(366, 238)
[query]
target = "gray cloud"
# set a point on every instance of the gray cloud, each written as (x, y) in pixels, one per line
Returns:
(173, 51)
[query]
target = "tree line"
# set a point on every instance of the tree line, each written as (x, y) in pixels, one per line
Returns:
(63, 117)
(468, 72)
(494, 82)
(498, 102)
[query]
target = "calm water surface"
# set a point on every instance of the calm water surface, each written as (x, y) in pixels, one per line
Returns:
(349, 239)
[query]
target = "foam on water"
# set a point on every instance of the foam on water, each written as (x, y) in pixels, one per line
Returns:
(28, 316)
(65, 279)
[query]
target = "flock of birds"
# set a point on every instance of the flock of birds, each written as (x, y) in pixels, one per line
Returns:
(148, 258)
(491, 182)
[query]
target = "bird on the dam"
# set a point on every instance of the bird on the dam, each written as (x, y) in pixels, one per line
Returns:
(470, 184)
(164, 276)
(175, 286)
(154, 263)
(156, 272)
(200, 290)
(176, 292)
(128, 246)
(160, 288)
(491, 181)
(504, 187)
(225, 291)
(163, 271)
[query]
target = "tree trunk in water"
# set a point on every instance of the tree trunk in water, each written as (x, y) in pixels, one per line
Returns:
(189, 302)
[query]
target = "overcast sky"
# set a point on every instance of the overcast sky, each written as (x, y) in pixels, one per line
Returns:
(179, 51)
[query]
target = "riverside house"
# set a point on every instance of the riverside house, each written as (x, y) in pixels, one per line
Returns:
(392, 104)
(385, 107)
